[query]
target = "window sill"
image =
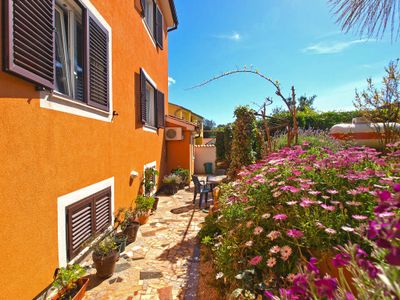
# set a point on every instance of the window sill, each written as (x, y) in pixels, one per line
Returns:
(149, 128)
(149, 33)
(59, 102)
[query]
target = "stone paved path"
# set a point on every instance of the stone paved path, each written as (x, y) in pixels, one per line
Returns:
(156, 266)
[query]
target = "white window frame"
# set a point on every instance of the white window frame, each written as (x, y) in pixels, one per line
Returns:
(149, 166)
(147, 26)
(71, 198)
(58, 102)
(146, 127)
(151, 105)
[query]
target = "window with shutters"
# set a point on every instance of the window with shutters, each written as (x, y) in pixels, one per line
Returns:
(86, 219)
(151, 103)
(63, 47)
(69, 50)
(153, 20)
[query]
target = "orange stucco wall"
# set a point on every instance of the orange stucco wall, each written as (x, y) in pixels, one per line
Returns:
(180, 153)
(46, 154)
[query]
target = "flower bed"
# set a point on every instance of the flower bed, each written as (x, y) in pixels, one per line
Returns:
(296, 204)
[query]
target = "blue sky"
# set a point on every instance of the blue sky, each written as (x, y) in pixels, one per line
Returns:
(294, 41)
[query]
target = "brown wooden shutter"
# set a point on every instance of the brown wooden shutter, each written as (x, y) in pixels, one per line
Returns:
(86, 219)
(159, 28)
(160, 110)
(143, 109)
(97, 62)
(80, 225)
(29, 40)
(103, 210)
(143, 4)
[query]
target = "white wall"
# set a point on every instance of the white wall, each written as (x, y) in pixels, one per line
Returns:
(204, 154)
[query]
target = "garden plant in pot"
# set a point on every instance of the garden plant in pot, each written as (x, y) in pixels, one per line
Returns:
(70, 283)
(143, 208)
(184, 175)
(149, 180)
(149, 183)
(129, 226)
(105, 256)
(121, 239)
(171, 183)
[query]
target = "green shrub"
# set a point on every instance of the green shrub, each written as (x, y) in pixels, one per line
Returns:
(67, 277)
(310, 119)
(143, 204)
(105, 246)
(184, 175)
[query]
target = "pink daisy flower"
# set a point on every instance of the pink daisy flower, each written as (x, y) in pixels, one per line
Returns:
(286, 251)
(386, 214)
(249, 243)
(280, 217)
(330, 231)
(294, 233)
(273, 235)
(320, 225)
(333, 192)
(359, 217)
(315, 193)
(290, 277)
(271, 262)
(255, 260)
(266, 216)
(328, 207)
(347, 228)
(258, 230)
(275, 249)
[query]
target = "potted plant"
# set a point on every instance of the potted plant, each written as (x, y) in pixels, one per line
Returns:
(184, 175)
(171, 183)
(149, 180)
(105, 255)
(70, 283)
(143, 208)
(121, 239)
(129, 226)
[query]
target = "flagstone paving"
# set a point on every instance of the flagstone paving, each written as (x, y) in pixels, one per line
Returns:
(161, 262)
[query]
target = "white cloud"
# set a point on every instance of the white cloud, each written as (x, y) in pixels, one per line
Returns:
(233, 37)
(332, 47)
(171, 81)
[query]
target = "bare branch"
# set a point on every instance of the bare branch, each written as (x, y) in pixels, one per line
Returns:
(249, 71)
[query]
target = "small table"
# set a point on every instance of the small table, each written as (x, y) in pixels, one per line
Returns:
(213, 181)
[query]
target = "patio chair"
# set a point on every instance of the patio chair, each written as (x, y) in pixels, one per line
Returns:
(201, 187)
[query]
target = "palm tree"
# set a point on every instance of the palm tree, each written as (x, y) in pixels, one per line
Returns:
(368, 17)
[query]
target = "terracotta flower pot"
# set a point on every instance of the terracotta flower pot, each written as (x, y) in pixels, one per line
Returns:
(131, 231)
(76, 294)
(105, 265)
(144, 218)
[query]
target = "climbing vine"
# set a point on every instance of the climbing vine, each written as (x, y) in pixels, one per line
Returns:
(244, 135)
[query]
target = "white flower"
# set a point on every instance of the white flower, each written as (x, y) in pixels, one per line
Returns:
(219, 275)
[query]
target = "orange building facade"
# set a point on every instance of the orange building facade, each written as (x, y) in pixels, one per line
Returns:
(83, 111)
(180, 149)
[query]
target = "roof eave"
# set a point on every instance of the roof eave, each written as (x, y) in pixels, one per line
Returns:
(174, 16)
